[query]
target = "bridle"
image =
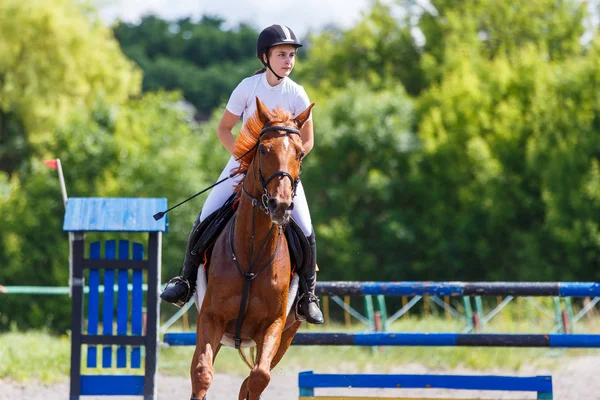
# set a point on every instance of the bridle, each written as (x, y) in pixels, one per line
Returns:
(262, 203)
(255, 202)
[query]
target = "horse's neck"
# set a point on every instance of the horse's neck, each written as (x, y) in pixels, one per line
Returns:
(263, 230)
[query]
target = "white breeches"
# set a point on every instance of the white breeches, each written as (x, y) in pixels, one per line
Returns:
(220, 193)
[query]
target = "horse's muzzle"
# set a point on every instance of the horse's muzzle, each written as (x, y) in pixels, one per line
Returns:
(279, 211)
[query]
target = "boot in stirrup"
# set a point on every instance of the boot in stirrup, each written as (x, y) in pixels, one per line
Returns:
(179, 290)
(308, 303)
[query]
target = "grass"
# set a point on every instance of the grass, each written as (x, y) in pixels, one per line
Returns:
(46, 358)
(34, 355)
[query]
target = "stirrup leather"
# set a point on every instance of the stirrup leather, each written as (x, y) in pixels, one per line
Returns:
(188, 295)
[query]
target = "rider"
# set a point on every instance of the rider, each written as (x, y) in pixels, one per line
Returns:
(276, 49)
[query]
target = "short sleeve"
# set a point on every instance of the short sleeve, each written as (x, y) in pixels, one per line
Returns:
(237, 101)
(302, 102)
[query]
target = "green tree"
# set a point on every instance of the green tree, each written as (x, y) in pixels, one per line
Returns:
(56, 56)
(379, 50)
(202, 59)
(355, 181)
(498, 28)
(510, 155)
(502, 181)
(147, 147)
(68, 92)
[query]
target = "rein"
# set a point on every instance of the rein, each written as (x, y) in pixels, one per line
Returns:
(262, 205)
(161, 214)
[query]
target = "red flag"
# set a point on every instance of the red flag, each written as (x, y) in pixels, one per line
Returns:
(52, 164)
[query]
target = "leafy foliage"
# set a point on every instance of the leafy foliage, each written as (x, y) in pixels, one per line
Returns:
(457, 141)
(202, 58)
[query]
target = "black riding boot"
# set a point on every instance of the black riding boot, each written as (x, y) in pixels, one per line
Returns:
(308, 304)
(180, 289)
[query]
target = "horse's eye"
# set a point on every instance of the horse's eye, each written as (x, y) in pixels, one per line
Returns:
(263, 149)
(301, 155)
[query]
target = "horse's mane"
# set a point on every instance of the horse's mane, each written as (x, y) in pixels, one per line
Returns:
(248, 137)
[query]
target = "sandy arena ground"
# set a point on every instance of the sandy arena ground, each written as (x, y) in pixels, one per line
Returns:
(578, 379)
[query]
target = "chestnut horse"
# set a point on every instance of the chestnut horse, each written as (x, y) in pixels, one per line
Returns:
(250, 270)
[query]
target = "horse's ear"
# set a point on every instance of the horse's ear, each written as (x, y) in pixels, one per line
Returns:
(301, 119)
(263, 112)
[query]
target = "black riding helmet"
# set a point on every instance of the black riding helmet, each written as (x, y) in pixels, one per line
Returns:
(274, 35)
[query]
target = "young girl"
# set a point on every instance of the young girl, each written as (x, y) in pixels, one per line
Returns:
(276, 49)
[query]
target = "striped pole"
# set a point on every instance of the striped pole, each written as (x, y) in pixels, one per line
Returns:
(562, 289)
(421, 339)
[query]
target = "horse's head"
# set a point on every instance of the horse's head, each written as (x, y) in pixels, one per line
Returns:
(276, 163)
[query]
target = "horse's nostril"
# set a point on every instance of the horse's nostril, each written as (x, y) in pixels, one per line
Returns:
(272, 203)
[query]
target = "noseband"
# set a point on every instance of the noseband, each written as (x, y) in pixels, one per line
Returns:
(262, 204)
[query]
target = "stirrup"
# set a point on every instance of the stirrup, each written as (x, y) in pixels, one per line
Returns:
(188, 295)
(311, 298)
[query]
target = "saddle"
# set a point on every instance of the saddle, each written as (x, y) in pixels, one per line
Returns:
(207, 232)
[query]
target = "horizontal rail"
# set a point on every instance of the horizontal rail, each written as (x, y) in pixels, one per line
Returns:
(111, 385)
(421, 339)
(561, 289)
(311, 380)
(56, 290)
(376, 398)
(110, 340)
(89, 263)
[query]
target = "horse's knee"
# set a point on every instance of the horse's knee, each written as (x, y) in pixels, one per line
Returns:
(203, 376)
(203, 372)
(259, 379)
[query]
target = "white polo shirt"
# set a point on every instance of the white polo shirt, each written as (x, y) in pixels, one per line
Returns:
(287, 94)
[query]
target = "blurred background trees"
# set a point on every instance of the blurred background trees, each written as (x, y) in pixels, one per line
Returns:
(457, 141)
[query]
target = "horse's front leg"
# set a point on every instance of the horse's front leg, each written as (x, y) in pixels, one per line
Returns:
(267, 345)
(286, 339)
(209, 332)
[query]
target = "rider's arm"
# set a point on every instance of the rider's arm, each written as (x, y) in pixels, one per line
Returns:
(224, 133)
(306, 133)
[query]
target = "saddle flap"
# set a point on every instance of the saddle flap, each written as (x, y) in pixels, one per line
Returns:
(298, 244)
(210, 228)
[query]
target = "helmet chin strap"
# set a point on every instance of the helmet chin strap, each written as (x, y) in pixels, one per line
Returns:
(268, 64)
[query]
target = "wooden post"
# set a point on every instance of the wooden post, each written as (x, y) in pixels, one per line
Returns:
(76, 314)
(565, 321)
(326, 309)
(186, 322)
(347, 317)
(447, 309)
